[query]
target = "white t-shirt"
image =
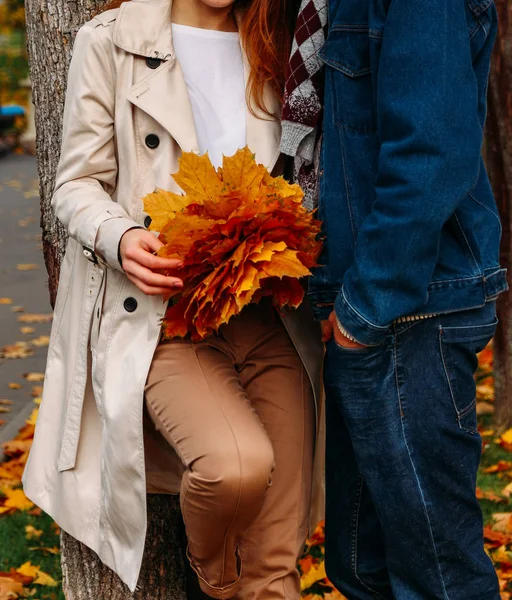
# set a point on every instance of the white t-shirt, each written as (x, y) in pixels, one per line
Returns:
(212, 65)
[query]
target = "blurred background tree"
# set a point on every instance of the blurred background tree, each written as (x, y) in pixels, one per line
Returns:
(13, 54)
(498, 154)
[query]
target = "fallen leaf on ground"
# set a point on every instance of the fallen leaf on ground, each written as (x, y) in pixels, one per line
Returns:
(5, 300)
(4, 409)
(16, 499)
(27, 329)
(37, 390)
(27, 267)
(55, 550)
(18, 309)
(489, 495)
(33, 417)
(34, 377)
(10, 588)
(315, 574)
(41, 341)
(502, 465)
(14, 386)
(4, 402)
(507, 491)
(485, 391)
(17, 350)
(40, 577)
(502, 522)
(484, 408)
(502, 555)
(34, 318)
(495, 539)
(31, 533)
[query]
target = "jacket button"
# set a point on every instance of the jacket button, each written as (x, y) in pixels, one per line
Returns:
(153, 63)
(152, 141)
(147, 221)
(130, 304)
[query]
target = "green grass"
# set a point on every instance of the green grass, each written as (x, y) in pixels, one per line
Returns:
(15, 550)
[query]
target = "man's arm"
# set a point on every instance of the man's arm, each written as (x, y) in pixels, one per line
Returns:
(427, 118)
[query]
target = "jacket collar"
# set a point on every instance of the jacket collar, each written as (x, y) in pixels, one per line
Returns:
(143, 27)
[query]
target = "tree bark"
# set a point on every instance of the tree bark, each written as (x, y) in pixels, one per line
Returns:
(499, 161)
(51, 28)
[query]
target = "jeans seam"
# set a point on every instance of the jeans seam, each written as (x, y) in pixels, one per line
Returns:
(423, 502)
(355, 529)
(459, 414)
(473, 257)
(348, 189)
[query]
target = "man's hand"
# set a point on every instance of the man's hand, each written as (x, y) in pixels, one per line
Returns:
(137, 249)
(330, 328)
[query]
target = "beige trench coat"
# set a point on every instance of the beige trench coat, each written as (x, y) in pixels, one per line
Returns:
(87, 465)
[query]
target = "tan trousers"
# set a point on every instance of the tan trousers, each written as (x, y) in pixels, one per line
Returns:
(238, 410)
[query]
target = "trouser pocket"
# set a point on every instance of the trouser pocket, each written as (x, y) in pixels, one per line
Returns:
(459, 346)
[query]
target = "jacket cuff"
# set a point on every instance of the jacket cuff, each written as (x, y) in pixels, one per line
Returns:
(108, 238)
(359, 328)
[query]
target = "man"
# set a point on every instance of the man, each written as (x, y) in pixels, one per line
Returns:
(406, 292)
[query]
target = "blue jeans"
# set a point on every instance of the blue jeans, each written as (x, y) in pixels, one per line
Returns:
(403, 451)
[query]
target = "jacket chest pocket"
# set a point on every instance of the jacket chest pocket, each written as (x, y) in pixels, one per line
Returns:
(347, 53)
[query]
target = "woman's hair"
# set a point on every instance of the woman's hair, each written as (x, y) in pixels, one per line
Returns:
(266, 32)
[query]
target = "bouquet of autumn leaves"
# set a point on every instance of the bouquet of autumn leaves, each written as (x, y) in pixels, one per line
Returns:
(241, 235)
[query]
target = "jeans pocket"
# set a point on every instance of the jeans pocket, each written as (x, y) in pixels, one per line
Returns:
(459, 347)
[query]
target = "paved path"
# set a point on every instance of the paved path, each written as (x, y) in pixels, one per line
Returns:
(20, 244)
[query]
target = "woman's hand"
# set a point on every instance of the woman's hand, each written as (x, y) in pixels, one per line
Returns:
(137, 249)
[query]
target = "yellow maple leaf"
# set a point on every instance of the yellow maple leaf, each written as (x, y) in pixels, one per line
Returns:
(316, 573)
(198, 178)
(242, 172)
(507, 436)
(31, 533)
(502, 555)
(17, 499)
(40, 577)
(266, 250)
(33, 417)
(161, 206)
(285, 264)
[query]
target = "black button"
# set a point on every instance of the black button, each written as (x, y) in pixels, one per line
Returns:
(152, 141)
(130, 304)
(147, 221)
(153, 63)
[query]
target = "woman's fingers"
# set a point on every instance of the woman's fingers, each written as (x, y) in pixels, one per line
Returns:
(150, 290)
(155, 262)
(149, 278)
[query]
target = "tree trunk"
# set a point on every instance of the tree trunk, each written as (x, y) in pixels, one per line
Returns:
(51, 27)
(499, 161)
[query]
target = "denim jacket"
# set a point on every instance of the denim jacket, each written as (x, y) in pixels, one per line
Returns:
(411, 226)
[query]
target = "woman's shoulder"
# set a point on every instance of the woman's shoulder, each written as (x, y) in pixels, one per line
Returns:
(97, 32)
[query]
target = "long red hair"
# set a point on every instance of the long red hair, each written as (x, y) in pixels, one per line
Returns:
(266, 32)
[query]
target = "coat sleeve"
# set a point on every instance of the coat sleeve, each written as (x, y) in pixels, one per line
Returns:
(87, 172)
(427, 115)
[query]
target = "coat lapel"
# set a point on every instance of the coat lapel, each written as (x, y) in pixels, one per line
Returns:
(163, 95)
(143, 27)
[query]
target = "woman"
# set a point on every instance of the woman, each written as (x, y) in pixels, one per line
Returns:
(146, 83)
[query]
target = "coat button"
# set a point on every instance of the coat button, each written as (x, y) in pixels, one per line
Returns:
(152, 141)
(153, 63)
(130, 304)
(147, 221)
